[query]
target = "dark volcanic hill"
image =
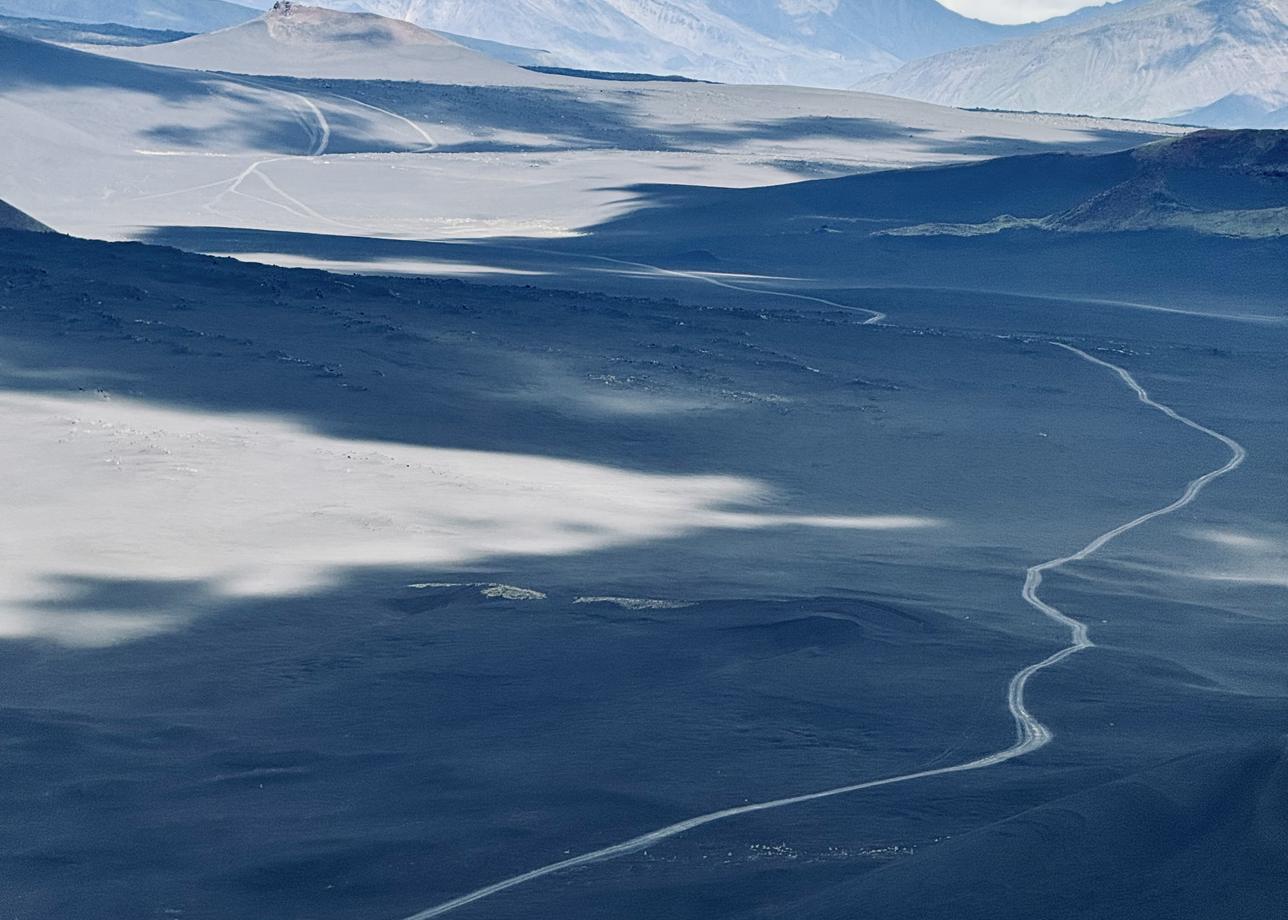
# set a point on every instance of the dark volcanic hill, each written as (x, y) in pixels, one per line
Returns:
(13, 219)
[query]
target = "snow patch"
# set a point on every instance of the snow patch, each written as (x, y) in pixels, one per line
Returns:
(132, 519)
(636, 603)
(487, 589)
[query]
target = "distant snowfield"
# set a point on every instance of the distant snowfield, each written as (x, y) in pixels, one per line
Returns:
(217, 507)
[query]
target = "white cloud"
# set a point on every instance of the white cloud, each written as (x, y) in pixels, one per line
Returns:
(1017, 10)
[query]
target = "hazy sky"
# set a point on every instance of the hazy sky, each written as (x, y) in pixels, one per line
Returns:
(1017, 10)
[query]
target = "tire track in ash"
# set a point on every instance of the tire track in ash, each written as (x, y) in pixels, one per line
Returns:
(323, 141)
(319, 137)
(874, 316)
(430, 144)
(1031, 734)
(320, 128)
(320, 133)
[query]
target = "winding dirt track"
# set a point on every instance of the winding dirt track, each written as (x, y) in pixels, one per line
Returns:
(874, 316)
(1031, 734)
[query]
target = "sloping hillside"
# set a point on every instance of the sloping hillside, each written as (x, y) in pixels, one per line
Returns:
(13, 219)
(1223, 62)
(304, 41)
(1178, 837)
(82, 33)
(181, 147)
(1201, 219)
(1225, 183)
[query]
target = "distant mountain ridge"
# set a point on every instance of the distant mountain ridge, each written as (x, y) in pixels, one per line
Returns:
(1220, 63)
(173, 15)
(83, 33)
(806, 42)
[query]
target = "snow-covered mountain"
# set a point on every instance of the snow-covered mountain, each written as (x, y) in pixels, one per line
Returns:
(907, 29)
(1260, 103)
(1217, 62)
(1081, 17)
(179, 15)
(806, 42)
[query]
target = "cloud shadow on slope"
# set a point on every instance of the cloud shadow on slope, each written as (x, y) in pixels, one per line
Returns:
(562, 119)
(1202, 835)
(333, 721)
(625, 384)
(566, 118)
(245, 120)
(181, 762)
(1165, 270)
(414, 725)
(500, 117)
(433, 735)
